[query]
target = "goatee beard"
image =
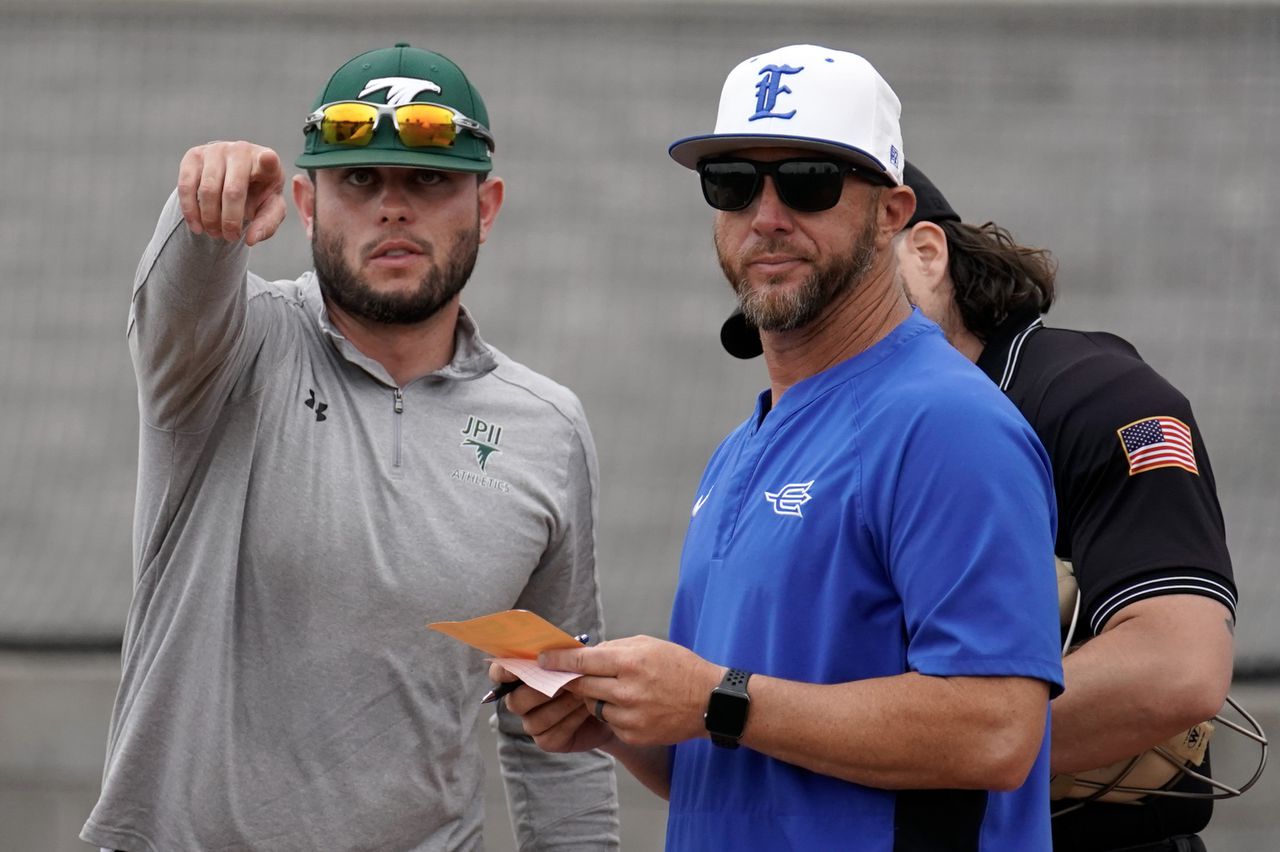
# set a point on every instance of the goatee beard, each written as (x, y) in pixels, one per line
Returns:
(771, 308)
(343, 287)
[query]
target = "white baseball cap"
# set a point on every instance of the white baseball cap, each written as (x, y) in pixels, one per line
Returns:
(805, 96)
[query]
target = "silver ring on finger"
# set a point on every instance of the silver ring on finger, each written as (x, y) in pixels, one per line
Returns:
(599, 713)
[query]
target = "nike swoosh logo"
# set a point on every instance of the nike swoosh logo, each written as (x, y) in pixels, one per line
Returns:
(698, 505)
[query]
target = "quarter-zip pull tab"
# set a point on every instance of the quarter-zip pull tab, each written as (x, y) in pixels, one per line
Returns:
(396, 460)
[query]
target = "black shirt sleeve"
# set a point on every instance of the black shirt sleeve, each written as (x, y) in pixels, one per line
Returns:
(1133, 529)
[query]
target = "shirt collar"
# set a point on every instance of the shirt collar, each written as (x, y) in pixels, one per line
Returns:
(1000, 357)
(805, 391)
(472, 357)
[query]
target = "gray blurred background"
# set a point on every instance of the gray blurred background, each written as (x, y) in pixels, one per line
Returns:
(1135, 140)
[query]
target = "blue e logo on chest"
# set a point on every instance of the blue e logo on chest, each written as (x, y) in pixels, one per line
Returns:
(790, 498)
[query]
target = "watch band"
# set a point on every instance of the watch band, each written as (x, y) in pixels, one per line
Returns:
(727, 708)
(735, 680)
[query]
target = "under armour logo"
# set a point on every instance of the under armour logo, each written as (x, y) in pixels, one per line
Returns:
(319, 407)
(400, 90)
(768, 89)
(789, 499)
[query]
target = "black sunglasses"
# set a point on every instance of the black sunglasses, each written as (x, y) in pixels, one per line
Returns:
(803, 184)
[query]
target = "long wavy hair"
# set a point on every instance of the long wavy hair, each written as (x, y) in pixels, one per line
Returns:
(994, 276)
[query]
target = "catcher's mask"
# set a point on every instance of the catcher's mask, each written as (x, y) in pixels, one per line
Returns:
(1158, 769)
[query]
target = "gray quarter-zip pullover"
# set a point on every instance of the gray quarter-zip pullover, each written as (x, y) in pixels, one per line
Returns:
(300, 519)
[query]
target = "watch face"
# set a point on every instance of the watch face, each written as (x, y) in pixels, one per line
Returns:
(727, 713)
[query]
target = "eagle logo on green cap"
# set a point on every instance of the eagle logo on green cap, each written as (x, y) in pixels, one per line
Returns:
(400, 90)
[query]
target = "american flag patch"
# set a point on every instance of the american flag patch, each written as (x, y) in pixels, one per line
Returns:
(1157, 442)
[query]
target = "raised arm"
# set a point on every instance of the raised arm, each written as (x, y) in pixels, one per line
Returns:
(187, 320)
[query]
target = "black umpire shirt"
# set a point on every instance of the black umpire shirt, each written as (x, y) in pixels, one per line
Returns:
(1138, 513)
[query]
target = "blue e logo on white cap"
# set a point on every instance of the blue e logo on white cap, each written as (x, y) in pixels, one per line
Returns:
(768, 89)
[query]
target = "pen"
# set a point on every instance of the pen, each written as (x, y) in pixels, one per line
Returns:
(509, 687)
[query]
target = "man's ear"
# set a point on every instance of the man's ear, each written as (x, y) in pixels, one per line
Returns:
(304, 198)
(924, 254)
(491, 192)
(897, 204)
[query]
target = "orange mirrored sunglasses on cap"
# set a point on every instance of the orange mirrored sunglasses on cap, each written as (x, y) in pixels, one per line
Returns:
(417, 125)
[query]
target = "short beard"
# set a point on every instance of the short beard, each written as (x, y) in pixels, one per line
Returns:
(770, 308)
(343, 287)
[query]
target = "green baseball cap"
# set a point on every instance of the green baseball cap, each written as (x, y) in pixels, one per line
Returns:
(397, 76)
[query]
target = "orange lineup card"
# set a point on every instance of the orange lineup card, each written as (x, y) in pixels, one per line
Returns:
(516, 633)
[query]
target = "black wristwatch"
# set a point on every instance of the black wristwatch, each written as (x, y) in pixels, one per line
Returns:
(727, 708)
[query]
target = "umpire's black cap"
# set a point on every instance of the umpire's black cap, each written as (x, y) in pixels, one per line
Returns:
(741, 339)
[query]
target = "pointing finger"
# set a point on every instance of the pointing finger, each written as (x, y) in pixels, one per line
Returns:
(266, 171)
(266, 208)
(266, 219)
